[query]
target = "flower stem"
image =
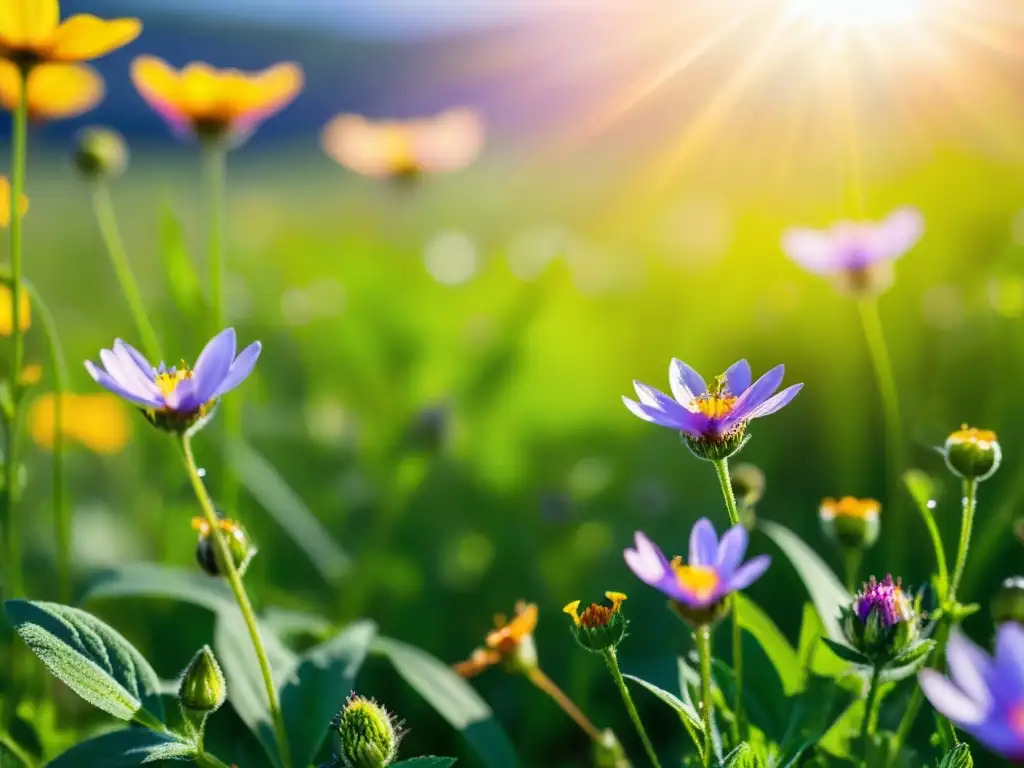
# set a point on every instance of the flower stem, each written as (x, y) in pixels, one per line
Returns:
(14, 587)
(970, 501)
(871, 321)
(547, 685)
(852, 557)
(215, 182)
(611, 659)
(206, 760)
(103, 207)
(869, 708)
(739, 730)
(704, 649)
(227, 567)
(61, 517)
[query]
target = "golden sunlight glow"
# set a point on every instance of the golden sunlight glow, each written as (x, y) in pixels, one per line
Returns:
(849, 13)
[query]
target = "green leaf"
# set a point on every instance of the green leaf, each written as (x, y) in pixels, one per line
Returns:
(775, 645)
(684, 710)
(453, 698)
(246, 690)
(811, 715)
(272, 493)
(153, 580)
(827, 593)
(315, 692)
(426, 762)
(846, 653)
(89, 657)
(123, 749)
(958, 757)
(180, 274)
(840, 739)
(812, 657)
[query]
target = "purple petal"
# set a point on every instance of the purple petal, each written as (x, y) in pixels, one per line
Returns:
(647, 561)
(652, 398)
(214, 363)
(686, 383)
(240, 369)
(757, 393)
(817, 252)
(1009, 660)
(774, 403)
(124, 371)
(681, 420)
(703, 543)
(106, 381)
(950, 700)
(738, 377)
(969, 668)
(123, 347)
(185, 397)
(897, 234)
(749, 572)
(731, 551)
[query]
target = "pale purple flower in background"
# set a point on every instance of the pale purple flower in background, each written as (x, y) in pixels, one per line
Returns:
(984, 695)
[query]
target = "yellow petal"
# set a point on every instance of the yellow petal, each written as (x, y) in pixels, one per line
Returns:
(97, 421)
(5, 214)
(200, 91)
(265, 92)
(372, 149)
(85, 37)
(54, 90)
(24, 311)
(27, 22)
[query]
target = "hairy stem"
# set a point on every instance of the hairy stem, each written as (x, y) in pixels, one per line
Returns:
(706, 703)
(227, 567)
(739, 725)
(611, 659)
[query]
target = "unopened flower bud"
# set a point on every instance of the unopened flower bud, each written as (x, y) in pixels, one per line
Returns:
(608, 752)
(241, 549)
(202, 686)
(1008, 603)
(972, 454)
(367, 734)
(100, 153)
(882, 622)
(599, 627)
(850, 523)
(747, 484)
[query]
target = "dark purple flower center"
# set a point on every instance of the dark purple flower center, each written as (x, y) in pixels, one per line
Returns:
(886, 599)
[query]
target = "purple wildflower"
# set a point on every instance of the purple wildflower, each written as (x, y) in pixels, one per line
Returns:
(985, 695)
(859, 253)
(713, 572)
(887, 599)
(715, 414)
(177, 397)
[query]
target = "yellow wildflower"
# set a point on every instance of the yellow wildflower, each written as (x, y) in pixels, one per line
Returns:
(97, 421)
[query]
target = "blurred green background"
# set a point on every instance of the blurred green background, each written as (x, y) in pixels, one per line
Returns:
(514, 302)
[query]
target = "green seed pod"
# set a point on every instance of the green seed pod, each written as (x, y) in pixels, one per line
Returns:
(972, 454)
(202, 686)
(367, 734)
(599, 627)
(1008, 603)
(100, 153)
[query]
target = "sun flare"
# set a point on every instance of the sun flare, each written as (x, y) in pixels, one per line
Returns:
(859, 13)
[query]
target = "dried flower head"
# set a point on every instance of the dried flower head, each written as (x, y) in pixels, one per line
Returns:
(511, 643)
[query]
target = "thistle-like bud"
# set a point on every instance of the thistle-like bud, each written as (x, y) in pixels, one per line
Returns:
(367, 734)
(241, 549)
(599, 627)
(202, 686)
(850, 523)
(882, 622)
(972, 454)
(1008, 603)
(100, 153)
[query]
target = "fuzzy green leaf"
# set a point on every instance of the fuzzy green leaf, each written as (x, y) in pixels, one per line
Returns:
(958, 757)
(426, 762)
(827, 593)
(453, 698)
(684, 710)
(124, 749)
(153, 580)
(315, 691)
(88, 656)
(846, 653)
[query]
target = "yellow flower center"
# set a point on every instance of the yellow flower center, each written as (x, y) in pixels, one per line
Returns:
(714, 406)
(699, 580)
(979, 437)
(849, 507)
(169, 380)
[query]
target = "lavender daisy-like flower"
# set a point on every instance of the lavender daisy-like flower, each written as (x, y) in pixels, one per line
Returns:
(715, 569)
(713, 418)
(984, 694)
(858, 255)
(176, 398)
